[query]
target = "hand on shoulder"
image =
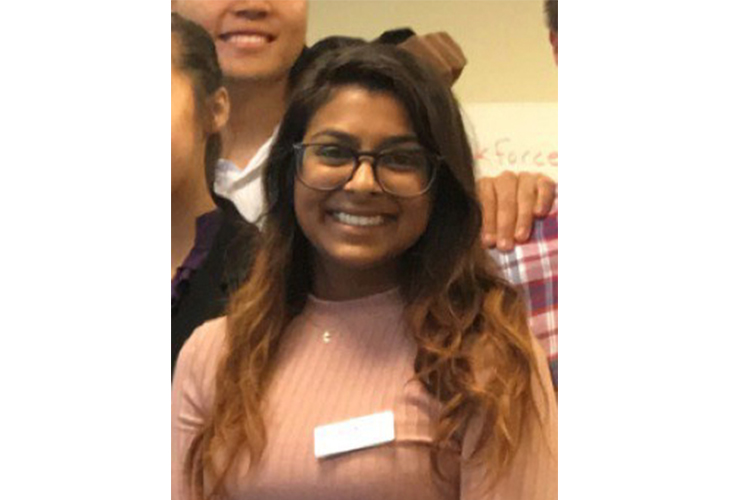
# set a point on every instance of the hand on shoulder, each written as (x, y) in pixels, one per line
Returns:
(510, 203)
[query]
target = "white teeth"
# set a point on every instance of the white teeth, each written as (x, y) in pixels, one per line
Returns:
(247, 39)
(358, 220)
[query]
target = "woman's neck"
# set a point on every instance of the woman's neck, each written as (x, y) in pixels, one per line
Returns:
(256, 110)
(188, 203)
(335, 282)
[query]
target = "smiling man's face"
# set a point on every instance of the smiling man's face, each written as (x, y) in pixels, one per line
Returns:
(256, 40)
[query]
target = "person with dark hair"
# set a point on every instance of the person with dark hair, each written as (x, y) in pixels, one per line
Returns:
(375, 351)
(203, 271)
(261, 48)
(260, 41)
(203, 235)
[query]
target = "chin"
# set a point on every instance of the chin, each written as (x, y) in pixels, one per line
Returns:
(361, 262)
(249, 71)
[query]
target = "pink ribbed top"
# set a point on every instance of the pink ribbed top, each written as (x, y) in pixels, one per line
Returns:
(341, 360)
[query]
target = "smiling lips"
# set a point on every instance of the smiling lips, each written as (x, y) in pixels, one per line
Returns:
(246, 39)
(358, 220)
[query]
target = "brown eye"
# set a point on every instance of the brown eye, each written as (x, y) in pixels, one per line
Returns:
(404, 160)
(333, 154)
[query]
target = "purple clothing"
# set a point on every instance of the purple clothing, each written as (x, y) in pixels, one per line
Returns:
(206, 229)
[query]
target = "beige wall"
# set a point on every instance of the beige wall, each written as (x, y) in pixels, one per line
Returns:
(505, 41)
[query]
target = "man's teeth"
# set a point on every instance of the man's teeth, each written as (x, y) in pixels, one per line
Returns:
(358, 220)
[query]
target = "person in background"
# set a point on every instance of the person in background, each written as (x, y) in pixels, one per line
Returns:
(370, 296)
(534, 264)
(204, 236)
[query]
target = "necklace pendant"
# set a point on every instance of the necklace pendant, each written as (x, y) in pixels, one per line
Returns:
(326, 337)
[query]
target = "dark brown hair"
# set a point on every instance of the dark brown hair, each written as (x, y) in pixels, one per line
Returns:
(454, 297)
(551, 14)
(196, 57)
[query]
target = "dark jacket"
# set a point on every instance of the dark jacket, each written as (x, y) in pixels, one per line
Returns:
(226, 266)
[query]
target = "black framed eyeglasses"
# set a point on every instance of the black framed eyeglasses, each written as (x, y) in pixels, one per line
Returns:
(404, 171)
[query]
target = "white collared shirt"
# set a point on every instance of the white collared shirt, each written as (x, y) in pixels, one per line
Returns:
(244, 187)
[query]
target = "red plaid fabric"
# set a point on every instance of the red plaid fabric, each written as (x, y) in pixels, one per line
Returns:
(534, 267)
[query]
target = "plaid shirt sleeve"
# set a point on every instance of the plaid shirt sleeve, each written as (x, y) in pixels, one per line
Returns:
(534, 267)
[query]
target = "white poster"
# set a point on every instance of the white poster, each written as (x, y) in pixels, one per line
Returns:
(514, 136)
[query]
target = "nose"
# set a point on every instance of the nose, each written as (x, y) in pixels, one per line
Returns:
(252, 9)
(363, 179)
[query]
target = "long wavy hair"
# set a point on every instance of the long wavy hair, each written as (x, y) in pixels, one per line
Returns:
(455, 298)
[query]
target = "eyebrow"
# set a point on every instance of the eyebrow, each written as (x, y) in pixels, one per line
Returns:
(354, 141)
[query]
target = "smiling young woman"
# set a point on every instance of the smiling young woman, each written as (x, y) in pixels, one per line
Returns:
(357, 230)
(374, 352)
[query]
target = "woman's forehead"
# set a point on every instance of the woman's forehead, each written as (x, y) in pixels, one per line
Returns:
(357, 110)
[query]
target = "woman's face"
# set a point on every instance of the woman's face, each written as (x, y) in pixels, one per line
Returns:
(360, 227)
(188, 138)
(255, 41)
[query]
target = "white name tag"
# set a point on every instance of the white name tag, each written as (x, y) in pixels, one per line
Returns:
(354, 434)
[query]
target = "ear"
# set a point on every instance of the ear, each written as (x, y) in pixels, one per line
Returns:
(554, 43)
(220, 108)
